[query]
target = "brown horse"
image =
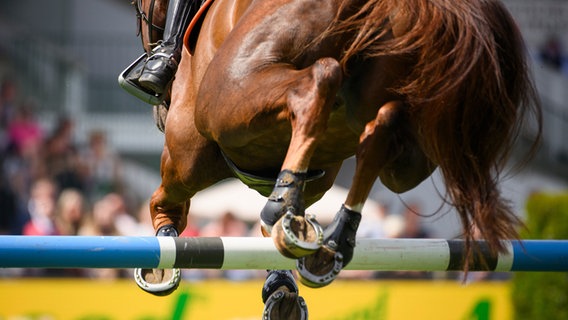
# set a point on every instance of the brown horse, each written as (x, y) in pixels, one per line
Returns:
(276, 92)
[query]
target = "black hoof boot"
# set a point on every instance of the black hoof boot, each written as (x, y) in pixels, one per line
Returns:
(281, 299)
(341, 233)
(285, 197)
(295, 235)
(159, 282)
(321, 268)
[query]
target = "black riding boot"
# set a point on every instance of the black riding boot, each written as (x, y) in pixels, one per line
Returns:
(161, 66)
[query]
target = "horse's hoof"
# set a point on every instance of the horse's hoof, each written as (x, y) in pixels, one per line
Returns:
(159, 282)
(319, 269)
(297, 236)
(284, 304)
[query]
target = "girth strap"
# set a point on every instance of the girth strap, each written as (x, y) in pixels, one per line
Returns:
(263, 185)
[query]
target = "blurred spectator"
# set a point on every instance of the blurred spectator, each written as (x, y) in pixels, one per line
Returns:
(8, 205)
(227, 225)
(413, 227)
(103, 167)
(22, 160)
(373, 224)
(145, 227)
(552, 54)
(61, 157)
(109, 218)
(125, 223)
(24, 132)
(191, 229)
(70, 212)
(8, 94)
(41, 209)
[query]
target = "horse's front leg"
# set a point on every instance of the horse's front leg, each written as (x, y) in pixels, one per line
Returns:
(309, 101)
(189, 163)
(388, 149)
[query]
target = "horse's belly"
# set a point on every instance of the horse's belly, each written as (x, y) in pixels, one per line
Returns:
(267, 153)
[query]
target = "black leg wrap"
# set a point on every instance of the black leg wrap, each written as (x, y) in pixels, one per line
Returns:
(279, 303)
(341, 234)
(276, 279)
(286, 197)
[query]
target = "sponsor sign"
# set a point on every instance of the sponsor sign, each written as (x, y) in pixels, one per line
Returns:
(67, 299)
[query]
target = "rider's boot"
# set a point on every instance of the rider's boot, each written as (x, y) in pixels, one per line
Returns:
(162, 64)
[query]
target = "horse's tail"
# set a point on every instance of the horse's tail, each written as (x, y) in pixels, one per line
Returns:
(469, 90)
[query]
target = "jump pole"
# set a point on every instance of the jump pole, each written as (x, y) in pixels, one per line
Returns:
(260, 253)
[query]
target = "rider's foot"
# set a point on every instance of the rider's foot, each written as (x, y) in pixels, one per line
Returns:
(160, 69)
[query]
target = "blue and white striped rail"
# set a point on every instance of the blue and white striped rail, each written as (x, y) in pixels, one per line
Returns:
(260, 253)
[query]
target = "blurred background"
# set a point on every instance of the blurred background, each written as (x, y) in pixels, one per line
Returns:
(63, 59)
(59, 63)
(81, 156)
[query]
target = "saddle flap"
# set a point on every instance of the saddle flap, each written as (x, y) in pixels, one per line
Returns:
(192, 32)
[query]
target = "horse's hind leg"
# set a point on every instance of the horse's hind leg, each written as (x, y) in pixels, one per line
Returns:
(388, 149)
(281, 299)
(309, 101)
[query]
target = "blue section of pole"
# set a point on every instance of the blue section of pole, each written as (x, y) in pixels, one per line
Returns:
(78, 252)
(540, 255)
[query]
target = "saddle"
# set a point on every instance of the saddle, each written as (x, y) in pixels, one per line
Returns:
(192, 32)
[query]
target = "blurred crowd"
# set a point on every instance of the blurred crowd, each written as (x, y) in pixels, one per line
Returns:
(50, 185)
(551, 54)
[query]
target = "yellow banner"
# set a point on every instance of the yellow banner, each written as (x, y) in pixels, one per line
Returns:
(67, 299)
